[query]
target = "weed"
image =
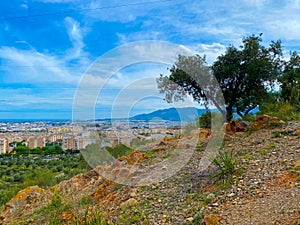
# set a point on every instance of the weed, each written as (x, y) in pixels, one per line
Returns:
(90, 217)
(201, 146)
(133, 215)
(151, 154)
(225, 164)
(52, 212)
(280, 133)
(197, 219)
(272, 145)
(263, 152)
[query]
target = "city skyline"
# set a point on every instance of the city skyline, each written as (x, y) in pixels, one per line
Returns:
(46, 46)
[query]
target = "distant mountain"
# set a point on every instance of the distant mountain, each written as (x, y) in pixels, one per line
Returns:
(171, 114)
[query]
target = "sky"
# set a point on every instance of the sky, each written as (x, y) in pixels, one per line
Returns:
(49, 47)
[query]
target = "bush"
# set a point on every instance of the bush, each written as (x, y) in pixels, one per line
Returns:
(282, 110)
(120, 150)
(205, 119)
(249, 118)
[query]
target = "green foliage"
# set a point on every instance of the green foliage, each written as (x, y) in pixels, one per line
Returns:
(201, 146)
(119, 150)
(225, 164)
(282, 110)
(205, 120)
(290, 81)
(89, 217)
(19, 172)
(280, 133)
(197, 219)
(249, 118)
(47, 150)
(133, 215)
(244, 75)
(52, 212)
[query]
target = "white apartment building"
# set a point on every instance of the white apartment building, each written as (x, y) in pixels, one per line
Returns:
(4, 147)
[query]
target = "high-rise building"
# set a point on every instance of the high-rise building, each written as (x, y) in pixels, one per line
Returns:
(73, 143)
(36, 143)
(67, 143)
(4, 145)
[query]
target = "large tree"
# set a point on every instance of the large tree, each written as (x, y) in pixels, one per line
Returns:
(290, 81)
(244, 75)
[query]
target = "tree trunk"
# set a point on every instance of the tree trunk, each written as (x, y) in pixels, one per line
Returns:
(239, 113)
(229, 113)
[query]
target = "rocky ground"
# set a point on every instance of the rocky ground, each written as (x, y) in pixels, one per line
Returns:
(263, 189)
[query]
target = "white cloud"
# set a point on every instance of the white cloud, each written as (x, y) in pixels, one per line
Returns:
(34, 67)
(139, 36)
(25, 6)
(120, 11)
(75, 33)
(211, 52)
(288, 29)
(35, 98)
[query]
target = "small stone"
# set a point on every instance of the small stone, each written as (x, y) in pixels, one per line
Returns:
(211, 219)
(132, 194)
(129, 202)
(190, 219)
(210, 196)
(231, 194)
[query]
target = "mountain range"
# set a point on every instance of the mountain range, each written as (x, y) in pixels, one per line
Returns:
(171, 114)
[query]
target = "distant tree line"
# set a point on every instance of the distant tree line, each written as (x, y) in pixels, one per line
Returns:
(22, 150)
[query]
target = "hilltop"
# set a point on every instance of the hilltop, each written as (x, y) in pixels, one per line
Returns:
(262, 188)
(171, 114)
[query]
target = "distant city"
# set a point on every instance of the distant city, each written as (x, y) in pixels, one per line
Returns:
(75, 136)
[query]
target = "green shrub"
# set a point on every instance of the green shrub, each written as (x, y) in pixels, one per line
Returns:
(282, 110)
(205, 120)
(197, 219)
(249, 118)
(52, 212)
(225, 164)
(90, 217)
(120, 150)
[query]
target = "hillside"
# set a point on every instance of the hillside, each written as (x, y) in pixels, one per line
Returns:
(171, 114)
(263, 188)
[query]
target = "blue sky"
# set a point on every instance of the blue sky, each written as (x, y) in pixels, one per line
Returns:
(46, 46)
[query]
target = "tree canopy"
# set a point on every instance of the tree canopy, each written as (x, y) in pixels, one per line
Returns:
(245, 75)
(290, 81)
